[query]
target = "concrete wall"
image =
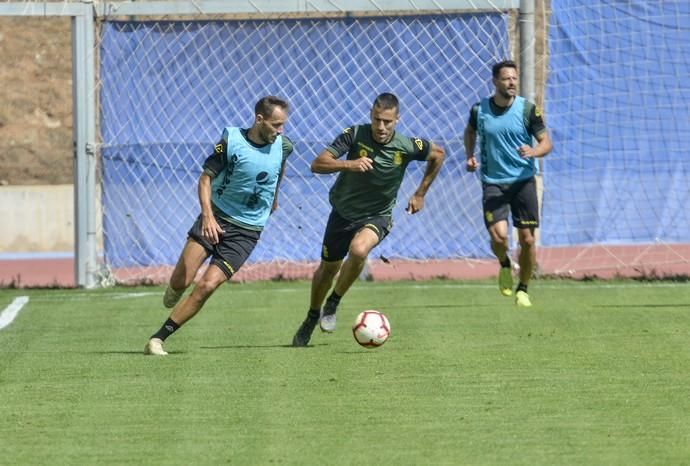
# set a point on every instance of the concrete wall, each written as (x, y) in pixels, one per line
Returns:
(37, 218)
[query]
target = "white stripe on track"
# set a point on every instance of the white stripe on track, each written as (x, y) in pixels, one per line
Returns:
(10, 312)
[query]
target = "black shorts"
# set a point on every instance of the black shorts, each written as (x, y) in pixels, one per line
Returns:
(519, 198)
(340, 231)
(233, 248)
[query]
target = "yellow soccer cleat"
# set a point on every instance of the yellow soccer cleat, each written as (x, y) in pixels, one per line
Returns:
(522, 299)
(505, 281)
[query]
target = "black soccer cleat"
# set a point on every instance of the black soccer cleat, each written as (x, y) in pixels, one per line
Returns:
(305, 330)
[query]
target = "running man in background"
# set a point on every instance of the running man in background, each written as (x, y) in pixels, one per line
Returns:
(238, 190)
(506, 124)
(362, 200)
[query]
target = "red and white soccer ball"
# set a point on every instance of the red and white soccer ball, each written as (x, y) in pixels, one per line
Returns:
(371, 329)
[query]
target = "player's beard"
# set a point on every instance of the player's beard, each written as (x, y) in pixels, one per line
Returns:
(507, 93)
(269, 138)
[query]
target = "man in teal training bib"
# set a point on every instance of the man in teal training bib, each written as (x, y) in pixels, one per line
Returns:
(506, 124)
(237, 191)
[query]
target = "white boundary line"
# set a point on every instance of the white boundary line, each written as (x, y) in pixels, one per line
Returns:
(10, 312)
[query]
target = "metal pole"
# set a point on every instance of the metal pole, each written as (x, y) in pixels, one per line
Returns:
(527, 41)
(86, 266)
(527, 77)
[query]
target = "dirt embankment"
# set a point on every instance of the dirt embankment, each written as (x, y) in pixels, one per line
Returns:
(35, 101)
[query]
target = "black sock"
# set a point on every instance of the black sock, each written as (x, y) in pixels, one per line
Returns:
(168, 328)
(521, 287)
(505, 263)
(334, 298)
(313, 314)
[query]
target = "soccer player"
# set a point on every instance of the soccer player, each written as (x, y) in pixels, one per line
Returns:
(506, 124)
(237, 192)
(362, 200)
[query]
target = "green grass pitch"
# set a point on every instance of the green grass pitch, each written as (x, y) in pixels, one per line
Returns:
(595, 373)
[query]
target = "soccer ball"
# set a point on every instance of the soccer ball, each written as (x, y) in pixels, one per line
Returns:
(371, 329)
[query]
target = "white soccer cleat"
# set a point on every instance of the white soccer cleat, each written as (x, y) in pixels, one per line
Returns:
(327, 323)
(155, 347)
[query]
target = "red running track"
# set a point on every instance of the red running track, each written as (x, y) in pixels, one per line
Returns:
(652, 261)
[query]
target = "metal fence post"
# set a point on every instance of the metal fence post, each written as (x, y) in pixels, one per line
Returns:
(83, 95)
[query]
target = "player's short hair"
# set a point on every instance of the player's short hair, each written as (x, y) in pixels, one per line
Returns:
(496, 69)
(386, 101)
(265, 105)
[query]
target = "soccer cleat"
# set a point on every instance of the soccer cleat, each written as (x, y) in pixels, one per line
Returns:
(505, 281)
(171, 297)
(522, 299)
(305, 330)
(155, 347)
(328, 321)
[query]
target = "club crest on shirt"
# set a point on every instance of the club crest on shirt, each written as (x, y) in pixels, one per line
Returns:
(397, 158)
(418, 142)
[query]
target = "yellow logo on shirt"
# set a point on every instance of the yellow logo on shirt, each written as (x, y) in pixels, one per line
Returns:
(418, 142)
(218, 148)
(489, 217)
(363, 153)
(537, 111)
(397, 158)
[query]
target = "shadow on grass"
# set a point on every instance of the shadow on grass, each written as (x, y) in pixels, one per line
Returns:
(446, 306)
(625, 306)
(131, 352)
(260, 346)
(211, 348)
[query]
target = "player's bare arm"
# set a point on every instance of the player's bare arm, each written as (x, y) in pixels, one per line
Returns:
(433, 165)
(542, 148)
(470, 139)
(288, 147)
(274, 207)
(210, 229)
(537, 128)
(327, 163)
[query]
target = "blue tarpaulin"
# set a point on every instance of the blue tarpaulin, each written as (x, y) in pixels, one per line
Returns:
(616, 104)
(169, 88)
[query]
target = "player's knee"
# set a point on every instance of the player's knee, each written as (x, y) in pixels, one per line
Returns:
(205, 288)
(526, 237)
(328, 270)
(500, 239)
(527, 242)
(498, 234)
(358, 252)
